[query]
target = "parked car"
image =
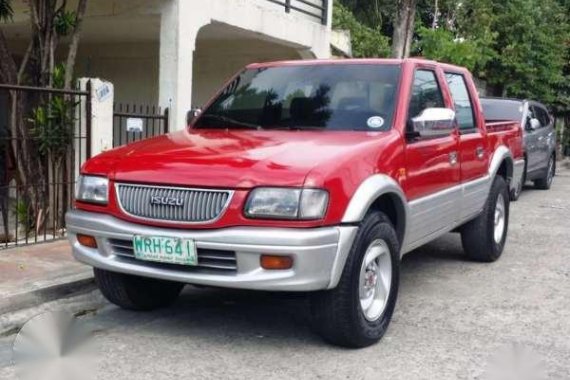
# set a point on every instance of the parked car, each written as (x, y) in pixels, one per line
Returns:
(303, 176)
(539, 143)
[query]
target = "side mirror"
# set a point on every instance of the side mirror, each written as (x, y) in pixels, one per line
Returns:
(434, 122)
(533, 124)
(192, 115)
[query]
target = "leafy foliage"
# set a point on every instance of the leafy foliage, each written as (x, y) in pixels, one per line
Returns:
(520, 48)
(442, 45)
(6, 11)
(366, 41)
(65, 22)
(53, 122)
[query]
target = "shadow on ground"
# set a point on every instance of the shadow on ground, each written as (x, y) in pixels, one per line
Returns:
(240, 316)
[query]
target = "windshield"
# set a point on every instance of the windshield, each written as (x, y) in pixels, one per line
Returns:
(502, 109)
(332, 97)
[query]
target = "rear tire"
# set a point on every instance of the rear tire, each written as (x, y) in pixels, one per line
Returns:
(358, 311)
(136, 293)
(545, 182)
(484, 237)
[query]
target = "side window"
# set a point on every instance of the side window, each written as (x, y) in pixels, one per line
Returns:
(425, 93)
(462, 101)
(542, 116)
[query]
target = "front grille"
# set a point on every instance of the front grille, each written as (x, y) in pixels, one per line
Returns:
(172, 204)
(208, 259)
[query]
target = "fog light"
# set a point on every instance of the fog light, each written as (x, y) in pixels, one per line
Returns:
(87, 241)
(276, 262)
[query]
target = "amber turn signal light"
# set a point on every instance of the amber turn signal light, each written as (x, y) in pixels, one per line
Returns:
(276, 262)
(87, 241)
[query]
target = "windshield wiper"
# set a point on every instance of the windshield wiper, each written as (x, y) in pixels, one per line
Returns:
(302, 128)
(229, 120)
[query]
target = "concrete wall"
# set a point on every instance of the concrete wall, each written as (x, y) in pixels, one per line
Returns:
(214, 65)
(184, 23)
(131, 67)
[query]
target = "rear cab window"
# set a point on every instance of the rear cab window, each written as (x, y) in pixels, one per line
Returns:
(462, 101)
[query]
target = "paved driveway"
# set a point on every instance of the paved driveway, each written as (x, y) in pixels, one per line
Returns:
(453, 317)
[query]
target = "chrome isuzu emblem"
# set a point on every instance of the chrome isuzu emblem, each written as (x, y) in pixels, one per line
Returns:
(166, 201)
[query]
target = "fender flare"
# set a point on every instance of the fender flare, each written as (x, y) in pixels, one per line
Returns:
(368, 192)
(502, 154)
(365, 195)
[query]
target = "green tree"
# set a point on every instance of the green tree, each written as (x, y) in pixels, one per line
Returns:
(366, 41)
(39, 164)
(531, 49)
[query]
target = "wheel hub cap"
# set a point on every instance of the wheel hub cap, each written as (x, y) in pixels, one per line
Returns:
(375, 280)
(499, 219)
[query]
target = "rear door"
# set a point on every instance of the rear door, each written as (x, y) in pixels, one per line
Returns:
(473, 157)
(432, 163)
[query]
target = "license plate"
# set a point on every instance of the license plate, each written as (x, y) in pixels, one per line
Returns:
(165, 250)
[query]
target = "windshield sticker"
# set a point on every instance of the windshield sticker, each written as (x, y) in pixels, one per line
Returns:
(375, 122)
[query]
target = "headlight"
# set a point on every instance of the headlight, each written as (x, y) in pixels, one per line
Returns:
(92, 189)
(281, 203)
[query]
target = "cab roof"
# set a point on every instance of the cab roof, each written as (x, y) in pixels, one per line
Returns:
(354, 61)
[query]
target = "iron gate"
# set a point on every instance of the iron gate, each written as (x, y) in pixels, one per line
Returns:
(132, 123)
(44, 138)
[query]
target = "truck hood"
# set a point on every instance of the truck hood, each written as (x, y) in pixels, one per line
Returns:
(231, 159)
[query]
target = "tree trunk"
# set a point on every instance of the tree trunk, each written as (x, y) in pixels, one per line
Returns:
(8, 69)
(72, 53)
(403, 28)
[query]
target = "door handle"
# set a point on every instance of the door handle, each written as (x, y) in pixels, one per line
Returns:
(480, 152)
(453, 158)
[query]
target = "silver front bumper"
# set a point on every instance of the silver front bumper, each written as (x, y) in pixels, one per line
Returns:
(319, 254)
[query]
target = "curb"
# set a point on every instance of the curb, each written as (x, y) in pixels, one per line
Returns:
(56, 289)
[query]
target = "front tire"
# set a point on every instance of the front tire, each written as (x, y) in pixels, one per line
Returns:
(136, 293)
(358, 311)
(484, 237)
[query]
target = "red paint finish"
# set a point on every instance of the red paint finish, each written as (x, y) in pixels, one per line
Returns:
(338, 161)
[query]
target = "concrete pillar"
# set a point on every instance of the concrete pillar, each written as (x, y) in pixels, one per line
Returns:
(178, 34)
(102, 98)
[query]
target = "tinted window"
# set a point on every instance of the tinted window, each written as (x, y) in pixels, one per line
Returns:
(332, 97)
(425, 93)
(462, 101)
(502, 109)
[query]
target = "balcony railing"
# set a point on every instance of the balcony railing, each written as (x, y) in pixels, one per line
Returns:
(316, 9)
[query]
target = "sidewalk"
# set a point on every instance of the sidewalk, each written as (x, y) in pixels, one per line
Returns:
(34, 274)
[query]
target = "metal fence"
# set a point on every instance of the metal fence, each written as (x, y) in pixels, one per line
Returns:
(44, 138)
(316, 9)
(133, 123)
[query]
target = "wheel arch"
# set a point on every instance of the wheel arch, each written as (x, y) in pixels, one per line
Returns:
(382, 193)
(502, 164)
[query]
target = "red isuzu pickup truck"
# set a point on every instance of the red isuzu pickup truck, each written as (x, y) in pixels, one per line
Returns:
(308, 176)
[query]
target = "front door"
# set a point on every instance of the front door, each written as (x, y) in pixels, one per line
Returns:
(531, 141)
(544, 136)
(432, 164)
(473, 157)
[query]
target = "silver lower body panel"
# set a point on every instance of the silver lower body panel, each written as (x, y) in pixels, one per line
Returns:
(319, 254)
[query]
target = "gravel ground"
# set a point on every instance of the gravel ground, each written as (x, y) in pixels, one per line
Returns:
(453, 318)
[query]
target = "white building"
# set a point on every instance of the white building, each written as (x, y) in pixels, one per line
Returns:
(176, 53)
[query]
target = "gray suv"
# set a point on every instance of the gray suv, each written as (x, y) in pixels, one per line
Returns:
(539, 138)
